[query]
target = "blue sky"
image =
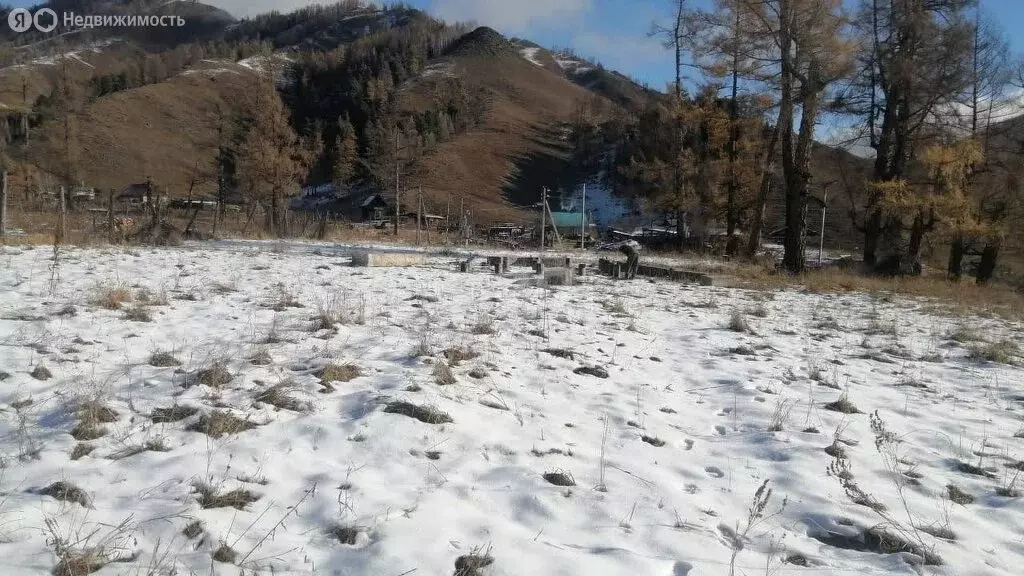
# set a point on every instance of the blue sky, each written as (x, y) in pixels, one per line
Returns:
(612, 31)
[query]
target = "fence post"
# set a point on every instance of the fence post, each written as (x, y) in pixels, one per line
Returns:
(110, 216)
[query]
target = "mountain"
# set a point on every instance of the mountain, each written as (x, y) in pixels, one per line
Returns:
(156, 104)
(482, 120)
(592, 76)
(521, 145)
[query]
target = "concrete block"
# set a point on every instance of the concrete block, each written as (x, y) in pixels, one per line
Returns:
(388, 260)
(498, 263)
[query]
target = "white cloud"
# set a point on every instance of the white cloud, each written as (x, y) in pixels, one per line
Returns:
(510, 16)
(620, 51)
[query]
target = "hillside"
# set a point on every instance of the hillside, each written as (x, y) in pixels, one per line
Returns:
(595, 78)
(519, 148)
(160, 116)
(167, 131)
(154, 109)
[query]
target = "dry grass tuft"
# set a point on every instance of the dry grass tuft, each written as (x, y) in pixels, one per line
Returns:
(443, 374)
(759, 311)
(472, 564)
(111, 297)
(225, 554)
(218, 423)
(91, 415)
(163, 360)
(560, 353)
(212, 497)
(426, 414)
(67, 492)
(80, 563)
(339, 372)
(282, 396)
(215, 376)
(81, 450)
(459, 354)
(596, 371)
(282, 300)
(327, 316)
(958, 496)
(560, 478)
(193, 529)
(1002, 352)
(843, 405)
(41, 373)
(965, 334)
(261, 358)
(86, 432)
(484, 327)
(345, 534)
(738, 322)
(172, 414)
(653, 441)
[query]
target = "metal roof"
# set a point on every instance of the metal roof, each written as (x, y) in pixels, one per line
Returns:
(567, 219)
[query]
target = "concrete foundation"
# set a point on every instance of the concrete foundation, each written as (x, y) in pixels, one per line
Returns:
(387, 260)
(618, 270)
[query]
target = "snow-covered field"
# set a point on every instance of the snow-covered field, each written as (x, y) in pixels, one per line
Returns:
(658, 408)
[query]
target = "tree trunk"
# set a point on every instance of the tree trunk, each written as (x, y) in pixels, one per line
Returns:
(680, 228)
(917, 232)
(249, 218)
(987, 266)
(732, 186)
(767, 177)
(954, 270)
(872, 234)
(793, 258)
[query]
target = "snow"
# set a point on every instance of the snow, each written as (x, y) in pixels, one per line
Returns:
(259, 63)
(53, 60)
(531, 55)
(208, 71)
(79, 58)
(439, 69)
(420, 495)
(573, 66)
(603, 207)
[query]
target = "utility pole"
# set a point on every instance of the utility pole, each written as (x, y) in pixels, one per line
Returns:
(398, 190)
(62, 223)
(543, 214)
(462, 216)
(583, 225)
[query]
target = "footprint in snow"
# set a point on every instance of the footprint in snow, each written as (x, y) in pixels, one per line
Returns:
(714, 472)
